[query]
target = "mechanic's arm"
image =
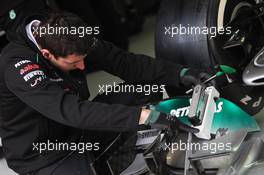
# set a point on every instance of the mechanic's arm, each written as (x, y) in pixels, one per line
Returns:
(53, 102)
(133, 67)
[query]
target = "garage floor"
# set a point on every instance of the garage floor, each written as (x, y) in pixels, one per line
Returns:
(142, 43)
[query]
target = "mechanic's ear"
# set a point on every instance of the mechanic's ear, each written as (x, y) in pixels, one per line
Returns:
(46, 54)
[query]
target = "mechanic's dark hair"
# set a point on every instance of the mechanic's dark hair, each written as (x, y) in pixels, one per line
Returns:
(61, 45)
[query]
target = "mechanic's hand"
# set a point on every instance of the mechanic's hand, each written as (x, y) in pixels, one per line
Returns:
(165, 120)
(191, 77)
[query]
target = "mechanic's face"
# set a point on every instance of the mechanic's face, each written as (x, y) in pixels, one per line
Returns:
(68, 63)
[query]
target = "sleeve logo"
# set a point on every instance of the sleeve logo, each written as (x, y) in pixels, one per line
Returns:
(37, 80)
(21, 63)
(28, 68)
(33, 74)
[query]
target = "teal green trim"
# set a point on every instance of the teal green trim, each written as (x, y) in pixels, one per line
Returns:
(183, 71)
(228, 114)
(12, 14)
(37, 58)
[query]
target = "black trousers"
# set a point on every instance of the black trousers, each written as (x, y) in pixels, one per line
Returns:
(73, 164)
(79, 164)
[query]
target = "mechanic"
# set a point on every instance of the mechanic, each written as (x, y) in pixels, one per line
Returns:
(44, 94)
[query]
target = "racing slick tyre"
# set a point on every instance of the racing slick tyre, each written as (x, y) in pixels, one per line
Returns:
(204, 33)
